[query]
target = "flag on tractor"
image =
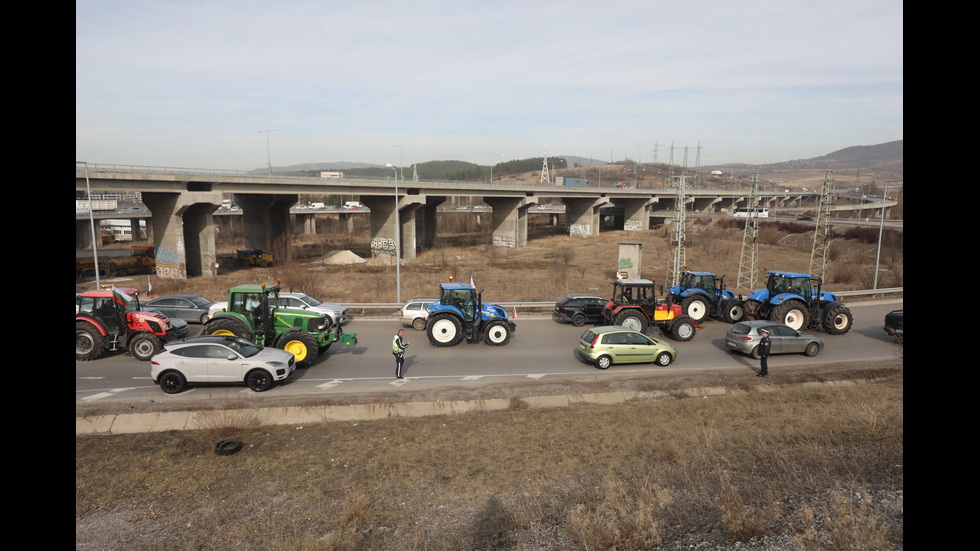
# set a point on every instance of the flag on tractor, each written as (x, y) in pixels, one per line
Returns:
(119, 296)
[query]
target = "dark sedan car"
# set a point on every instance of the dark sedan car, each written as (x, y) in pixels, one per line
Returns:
(579, 309)
(190, 308)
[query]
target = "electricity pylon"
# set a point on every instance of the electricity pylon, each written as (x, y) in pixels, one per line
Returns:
(821, 234)
(545, 178)
(748, 265)
(678, 234)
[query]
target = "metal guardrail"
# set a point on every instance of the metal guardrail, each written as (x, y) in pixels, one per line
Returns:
(537, 307)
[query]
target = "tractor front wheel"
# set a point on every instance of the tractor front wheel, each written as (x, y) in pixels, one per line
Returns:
(496, 333)
(444, 330)
(144, 346)
(733, 311)
(683, 330)
(301, 345)
(838, 320)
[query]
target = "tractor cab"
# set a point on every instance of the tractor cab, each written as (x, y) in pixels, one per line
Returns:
(697, 280)
(462, 296)
(800, 285)
(254, 302)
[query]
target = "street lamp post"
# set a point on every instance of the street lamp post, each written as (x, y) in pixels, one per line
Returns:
(268, 150)
(398, 241)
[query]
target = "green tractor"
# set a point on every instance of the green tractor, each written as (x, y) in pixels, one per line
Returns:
(253, 313)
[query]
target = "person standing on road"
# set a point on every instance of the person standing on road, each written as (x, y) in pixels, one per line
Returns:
(765, 346)
(398, 346)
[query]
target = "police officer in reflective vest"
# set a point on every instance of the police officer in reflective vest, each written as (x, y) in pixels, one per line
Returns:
(398, 346)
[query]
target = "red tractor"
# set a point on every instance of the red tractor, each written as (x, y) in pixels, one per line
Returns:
(635, 306)
(112, 319)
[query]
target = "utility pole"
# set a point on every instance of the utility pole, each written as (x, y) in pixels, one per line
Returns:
(821, 233)
(748, 264)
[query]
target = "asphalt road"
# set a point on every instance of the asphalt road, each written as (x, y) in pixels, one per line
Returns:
(541, 350)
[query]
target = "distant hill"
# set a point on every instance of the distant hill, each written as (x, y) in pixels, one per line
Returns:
(886, 158)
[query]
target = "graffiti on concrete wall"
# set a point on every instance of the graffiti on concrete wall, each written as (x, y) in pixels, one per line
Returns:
(503, 241)
(170, 263)
(633, 225)
(382, 245)
(580, 230)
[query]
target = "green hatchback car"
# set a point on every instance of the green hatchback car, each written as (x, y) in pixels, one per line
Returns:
(614, 344)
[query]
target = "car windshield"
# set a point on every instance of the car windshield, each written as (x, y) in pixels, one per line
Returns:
(310, 300)
(243, 347)
(199, 301)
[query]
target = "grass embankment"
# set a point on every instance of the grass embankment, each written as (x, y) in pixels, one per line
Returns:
(820, 466)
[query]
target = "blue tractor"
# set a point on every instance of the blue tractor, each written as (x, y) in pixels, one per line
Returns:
(798, 301)
(702, 295)
(461, 313)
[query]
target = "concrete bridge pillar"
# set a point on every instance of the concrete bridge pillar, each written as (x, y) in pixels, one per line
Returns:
(266, 219)
(582, 215)
(384, 239)
(183, 232)
(508, 224)
(308, 222)
(636, 213)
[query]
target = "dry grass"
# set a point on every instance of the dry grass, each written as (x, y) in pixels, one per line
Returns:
(551, 266)
(803, 468)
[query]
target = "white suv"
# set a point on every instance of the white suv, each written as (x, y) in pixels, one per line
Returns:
(414, 312)
(336, 312)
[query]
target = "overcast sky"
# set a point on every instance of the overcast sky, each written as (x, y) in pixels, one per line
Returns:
(194, 83)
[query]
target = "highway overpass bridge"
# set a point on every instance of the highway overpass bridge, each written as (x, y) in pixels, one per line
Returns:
(183, 202)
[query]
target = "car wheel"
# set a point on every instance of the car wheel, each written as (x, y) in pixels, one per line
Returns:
(664, 359)
(812, 349)
(578, 320)
(683, 330)
(496, 333)
(89, 343)
(172, 382)
(603, 362)
(418, 324)
(755, 353)
(444, 330)
(301, 345)
(204, 318)
(259, 380)
(144, 346)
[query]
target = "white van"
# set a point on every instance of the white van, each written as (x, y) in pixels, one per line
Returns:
(353, 205)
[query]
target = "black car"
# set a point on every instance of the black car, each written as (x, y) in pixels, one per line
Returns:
(894, 321)
(579, 309)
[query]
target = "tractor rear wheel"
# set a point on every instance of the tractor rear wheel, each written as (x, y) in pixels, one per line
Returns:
(227, 326)
(632, 319)
(301, 345)
(750, 309)
(444, 330)
(838, 320)
(89, 342)
(792, 313)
